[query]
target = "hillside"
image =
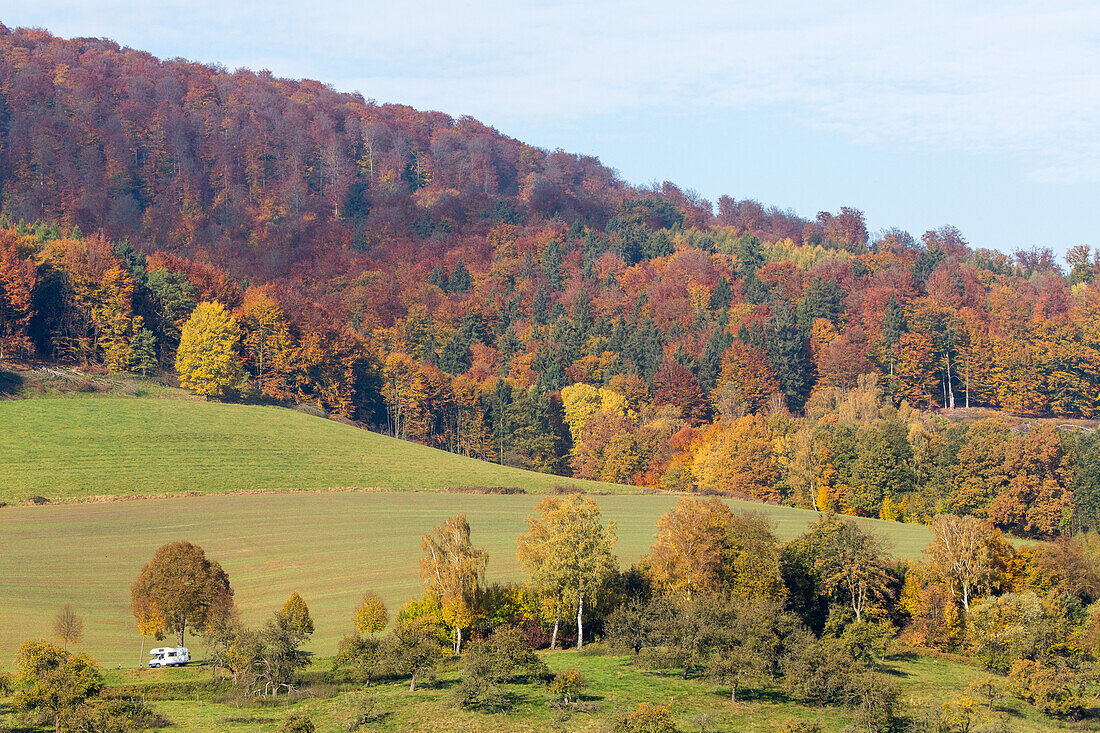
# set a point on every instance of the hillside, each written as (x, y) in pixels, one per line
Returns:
(85, 446)
(444, 283)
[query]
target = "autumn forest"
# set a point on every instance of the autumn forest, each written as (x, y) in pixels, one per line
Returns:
(433, 279)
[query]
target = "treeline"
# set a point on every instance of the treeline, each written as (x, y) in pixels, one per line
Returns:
(717, 598)
(856, 448)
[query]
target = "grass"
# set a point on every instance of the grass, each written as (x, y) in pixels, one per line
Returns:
(330, 547)
(82, 446)
(615, 686)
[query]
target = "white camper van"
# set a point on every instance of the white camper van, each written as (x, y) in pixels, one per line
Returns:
(169, 657)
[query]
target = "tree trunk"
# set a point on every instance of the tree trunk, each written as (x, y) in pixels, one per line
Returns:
(580, 623)
(968, 384)
(141, 654)
(733, 692)
(950, 388)
(412, 683)
(554, 636)
(179, 633)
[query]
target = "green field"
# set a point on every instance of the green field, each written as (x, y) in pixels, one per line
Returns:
(329, 546)
(615, 686)
(85, 446)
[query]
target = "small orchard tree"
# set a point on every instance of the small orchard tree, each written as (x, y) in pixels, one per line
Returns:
(853, 565)
(53, 682)
(414, 649)
(179, 589)
(67, 626)
(453, 570)
(371, 615)
(505, 656)
(207, 358)
(294, 615)
(568, 552)
(364, 652)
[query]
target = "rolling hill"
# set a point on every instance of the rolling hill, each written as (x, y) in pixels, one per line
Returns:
(330, 546)
(91, 446)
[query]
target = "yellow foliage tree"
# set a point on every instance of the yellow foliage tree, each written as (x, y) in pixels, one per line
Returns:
(453, 569)
(579, 401)
(207, 359)
(294, 615)
(371, 615)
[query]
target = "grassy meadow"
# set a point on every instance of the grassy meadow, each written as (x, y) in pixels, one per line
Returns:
(615, 686)
(77, 447)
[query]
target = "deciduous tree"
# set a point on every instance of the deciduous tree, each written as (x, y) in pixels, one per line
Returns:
(454, 570)
(207, 359)
(568, 552)
(181, 588)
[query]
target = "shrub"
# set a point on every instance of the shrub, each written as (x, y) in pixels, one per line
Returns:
(1053, 690)
(297, 721)
(801, 726)
(648, 718)
(593, 649)
(504, 657)
(568, 684)
(54, 684)
(505, 490)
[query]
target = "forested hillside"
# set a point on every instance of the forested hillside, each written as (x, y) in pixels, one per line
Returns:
(444, 283)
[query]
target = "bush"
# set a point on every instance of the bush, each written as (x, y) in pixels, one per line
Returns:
(504, 490)
(504, 657)
(801, 726)
(53, 684)
(593, 649)
(1053, 690)
(113, 716)
(647, 718)
(568, 684)
(297, 721)
(365, 713)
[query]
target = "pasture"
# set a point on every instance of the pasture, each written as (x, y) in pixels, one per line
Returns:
(79, 447)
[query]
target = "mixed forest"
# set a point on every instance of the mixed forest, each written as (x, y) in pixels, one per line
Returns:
(268, 239)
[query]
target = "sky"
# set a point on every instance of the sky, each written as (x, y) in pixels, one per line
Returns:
(983, 115)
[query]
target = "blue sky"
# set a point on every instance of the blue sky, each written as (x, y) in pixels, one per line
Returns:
(981, 115)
